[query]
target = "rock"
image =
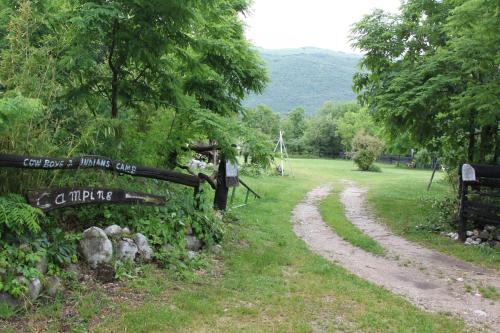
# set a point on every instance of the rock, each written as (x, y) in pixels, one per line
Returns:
(126, 250)
(9, 300)
(34, 288)
(22, 280)
(113, 231)
(484, 235)
(125, 231)
(469, 241)
(53, 286)
(192, 255)
(196, 164)
(95, 247)
(74, 270)
(489, 228)
(469, 233)
(216, 249)
(460, 279)
(498, 237)
(168, 247)
(42, 265)
(193, 243)
(105, 273)
(480, 313)
(477, 241)
(145, 251)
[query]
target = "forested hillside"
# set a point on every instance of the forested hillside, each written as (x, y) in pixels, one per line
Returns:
(306, 77)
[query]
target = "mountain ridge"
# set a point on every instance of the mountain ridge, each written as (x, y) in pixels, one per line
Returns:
(306, 77)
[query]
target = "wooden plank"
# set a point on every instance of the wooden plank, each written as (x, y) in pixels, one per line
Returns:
(482, 207)
(48, 200)
(97, 162)
(480, 220)
(469, 211)
(487, 171)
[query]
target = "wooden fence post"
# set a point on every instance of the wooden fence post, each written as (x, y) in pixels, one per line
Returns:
(461, 216)
(221, 192)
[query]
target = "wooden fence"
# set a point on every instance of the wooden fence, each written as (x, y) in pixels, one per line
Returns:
(50, 199)
(479, 193)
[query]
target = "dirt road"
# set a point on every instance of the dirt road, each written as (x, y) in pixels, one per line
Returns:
(426, 278)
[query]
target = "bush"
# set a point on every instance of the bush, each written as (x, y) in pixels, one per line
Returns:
(366, 149)
(423, 158)
(441, 214)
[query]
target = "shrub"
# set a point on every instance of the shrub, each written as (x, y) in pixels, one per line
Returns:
(423, 157)
(441, 214)
(366, 149)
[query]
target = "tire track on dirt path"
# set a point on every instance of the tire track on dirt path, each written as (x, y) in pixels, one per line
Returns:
(421, 289)
(432, 263)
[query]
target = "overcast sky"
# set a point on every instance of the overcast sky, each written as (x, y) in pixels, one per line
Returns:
(277, 24)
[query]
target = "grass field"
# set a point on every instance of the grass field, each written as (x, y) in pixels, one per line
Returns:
(266, 280)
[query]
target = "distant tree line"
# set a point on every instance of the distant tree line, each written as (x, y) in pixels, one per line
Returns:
(330, 132)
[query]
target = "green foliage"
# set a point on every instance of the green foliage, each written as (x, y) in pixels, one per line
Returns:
(423, 157)
(17, 217)
(431, 73)
(366, 149)
(18, 261)
(208, 228)
(262, 118)
(442, 214)
(62, 247)
(353, 122)
(135, 81)
(126, 270)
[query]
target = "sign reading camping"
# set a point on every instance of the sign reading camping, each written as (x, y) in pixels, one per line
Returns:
(48, 200)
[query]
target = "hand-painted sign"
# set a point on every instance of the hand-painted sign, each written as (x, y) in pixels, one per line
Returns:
(67, 197)
(97, 162)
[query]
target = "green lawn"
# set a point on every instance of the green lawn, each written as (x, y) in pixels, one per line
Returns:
(266, 279)
(395, 195)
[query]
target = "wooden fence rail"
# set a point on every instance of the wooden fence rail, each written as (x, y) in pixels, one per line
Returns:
(98, 162)
(479, 193)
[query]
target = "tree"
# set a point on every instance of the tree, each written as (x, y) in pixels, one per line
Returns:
(432, 73)
(263, 119)
(352, 122)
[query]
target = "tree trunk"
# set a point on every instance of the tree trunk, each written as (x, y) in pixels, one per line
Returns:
(221, 193)
(114, 95)
(472, 138)
(486, 145)
(114, 72)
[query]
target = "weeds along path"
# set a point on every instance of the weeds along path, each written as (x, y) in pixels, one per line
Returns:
(437, 294)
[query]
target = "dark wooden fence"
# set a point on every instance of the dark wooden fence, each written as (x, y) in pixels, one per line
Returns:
(479, 193)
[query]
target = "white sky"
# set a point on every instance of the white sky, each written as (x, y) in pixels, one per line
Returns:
(276, 24)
